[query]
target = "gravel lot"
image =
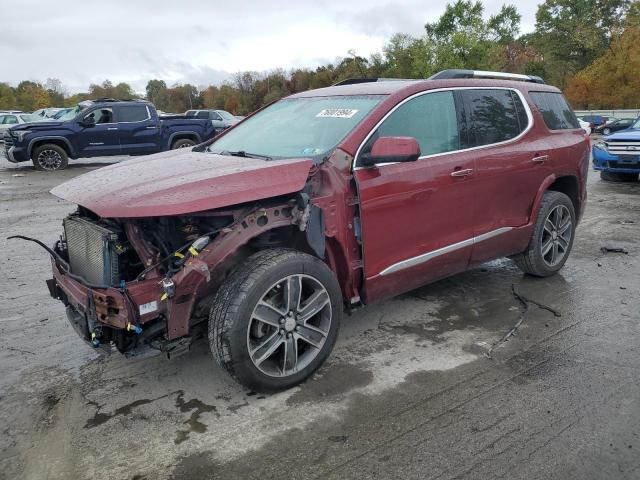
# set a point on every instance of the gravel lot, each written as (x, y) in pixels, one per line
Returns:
(408, 392)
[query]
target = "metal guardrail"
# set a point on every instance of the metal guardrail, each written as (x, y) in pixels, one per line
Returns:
(615, 113)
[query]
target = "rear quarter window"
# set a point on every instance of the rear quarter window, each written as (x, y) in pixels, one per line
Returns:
(133, 113)
(555, 110)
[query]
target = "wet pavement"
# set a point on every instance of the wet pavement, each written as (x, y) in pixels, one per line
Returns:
(407, 393)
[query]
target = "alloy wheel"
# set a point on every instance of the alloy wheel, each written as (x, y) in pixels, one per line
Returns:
(49, 160)
(556, 235)
(289, 326)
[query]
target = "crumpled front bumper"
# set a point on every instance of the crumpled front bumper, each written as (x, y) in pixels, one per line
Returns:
(110, 307)
(604, 161)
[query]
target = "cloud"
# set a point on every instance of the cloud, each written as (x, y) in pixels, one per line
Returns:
(197, 41)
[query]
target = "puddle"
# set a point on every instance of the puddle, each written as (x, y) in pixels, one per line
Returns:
(194, 423)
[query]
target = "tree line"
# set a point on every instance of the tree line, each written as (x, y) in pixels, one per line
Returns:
(589, 48)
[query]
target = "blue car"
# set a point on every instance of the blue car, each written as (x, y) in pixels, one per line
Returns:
(104, 127)
(617, 156)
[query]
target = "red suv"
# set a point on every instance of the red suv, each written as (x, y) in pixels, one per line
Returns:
(323, 200)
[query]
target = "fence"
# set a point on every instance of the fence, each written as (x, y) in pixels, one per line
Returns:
(610, 113)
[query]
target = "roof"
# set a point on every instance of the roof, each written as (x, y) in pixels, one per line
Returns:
(397, 86)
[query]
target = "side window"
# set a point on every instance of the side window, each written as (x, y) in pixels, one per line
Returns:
(132, 113)
(555, 110)
(10, 119)
(215, 116)
(493, 116)
(202, 114)
(101, 115)
(430, 119)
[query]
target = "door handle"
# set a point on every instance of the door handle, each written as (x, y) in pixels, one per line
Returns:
(151, 127)
(462, 173)
(540, 159)
(112, 128)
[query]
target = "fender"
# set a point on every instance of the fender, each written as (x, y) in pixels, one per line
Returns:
(184, 132)
(70, 148)
(191, 278)
(544, 186)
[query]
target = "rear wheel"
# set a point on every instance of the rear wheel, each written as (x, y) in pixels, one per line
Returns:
(182, 143)
(618, 177)
(275, 319)
(552, 238)
(49, 157)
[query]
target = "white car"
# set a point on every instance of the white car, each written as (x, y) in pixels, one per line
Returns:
(586, 126)
(8, 120)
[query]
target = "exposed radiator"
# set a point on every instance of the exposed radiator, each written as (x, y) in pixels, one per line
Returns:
(91, 249)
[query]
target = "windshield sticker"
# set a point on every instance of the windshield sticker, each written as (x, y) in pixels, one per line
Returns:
(337, 113)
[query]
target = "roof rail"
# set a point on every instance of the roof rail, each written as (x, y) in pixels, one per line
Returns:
(459, 73)
(111, 100)
(353, 81)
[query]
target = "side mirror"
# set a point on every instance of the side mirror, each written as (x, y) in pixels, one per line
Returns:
(392, 149)
(88, 121)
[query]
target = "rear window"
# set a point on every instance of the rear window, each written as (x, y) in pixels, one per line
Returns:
(132, 113)
(493, 116)
(555, 110)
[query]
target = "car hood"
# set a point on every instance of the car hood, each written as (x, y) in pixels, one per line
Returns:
(38, 124)
(627, 134)
(181, 182)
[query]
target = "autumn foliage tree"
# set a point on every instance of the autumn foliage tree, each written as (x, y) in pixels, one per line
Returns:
(613, 80)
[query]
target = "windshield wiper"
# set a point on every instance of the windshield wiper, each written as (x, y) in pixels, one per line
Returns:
(242, 153)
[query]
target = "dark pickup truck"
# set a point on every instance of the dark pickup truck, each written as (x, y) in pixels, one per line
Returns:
(102, 128)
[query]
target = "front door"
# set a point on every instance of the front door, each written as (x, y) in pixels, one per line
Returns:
(416, 216)
(101, 138)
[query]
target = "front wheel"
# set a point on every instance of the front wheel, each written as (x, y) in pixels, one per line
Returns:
(552, 237)
(275, 319)
(182, 143)
(49, 157)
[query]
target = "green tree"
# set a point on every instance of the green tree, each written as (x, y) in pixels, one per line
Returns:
(157, 93)
(571, 34)
(7, 97)
(461, 38)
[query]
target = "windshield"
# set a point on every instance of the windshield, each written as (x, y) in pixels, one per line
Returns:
(69, 114)
(636, 124)
(297, 127)
(30, 118)
(225, 115)
(60, 114)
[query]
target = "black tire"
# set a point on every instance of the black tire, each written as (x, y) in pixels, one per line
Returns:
(49, 158)
(232, 319)
(618, 177)
(183, 143)
(534, 260)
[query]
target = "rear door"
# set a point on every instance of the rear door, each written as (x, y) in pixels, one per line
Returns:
(100, 139)
(510, 167)
(416, 216)
(139, 130)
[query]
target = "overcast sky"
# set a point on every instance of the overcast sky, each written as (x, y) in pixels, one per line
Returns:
(198, 41)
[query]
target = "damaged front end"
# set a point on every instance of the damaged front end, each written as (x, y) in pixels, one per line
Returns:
(140, 283)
